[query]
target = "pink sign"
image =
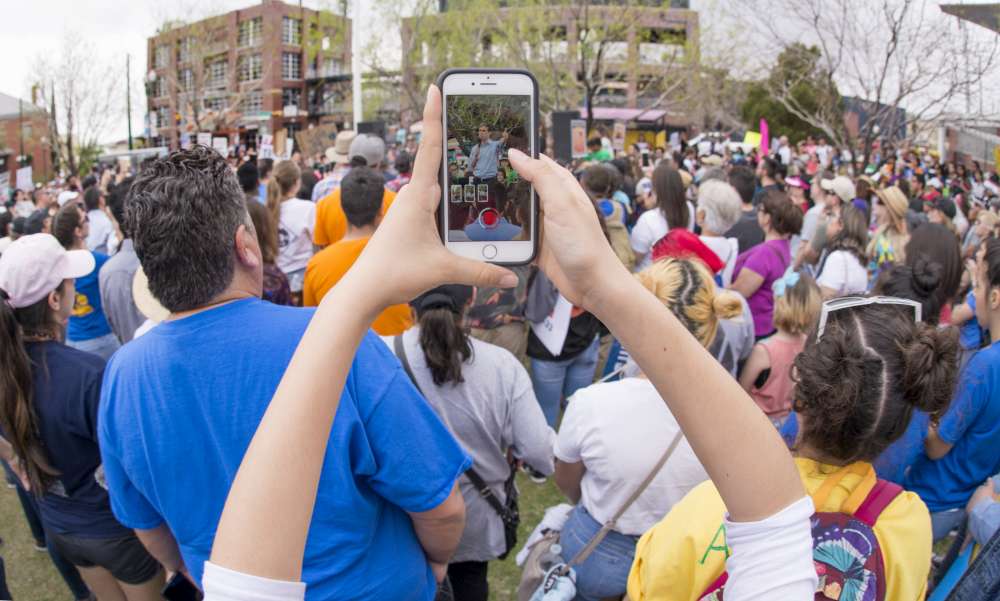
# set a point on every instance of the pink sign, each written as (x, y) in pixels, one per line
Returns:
(765, 138)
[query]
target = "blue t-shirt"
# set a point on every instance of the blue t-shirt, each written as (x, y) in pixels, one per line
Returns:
(896, 459)
(180, 406)
(972, 426)
(88, 321)
(67, 385)
(970, 334)
(262, 193)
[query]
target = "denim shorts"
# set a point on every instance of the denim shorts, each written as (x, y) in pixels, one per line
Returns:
(125, 557)
(605, 572)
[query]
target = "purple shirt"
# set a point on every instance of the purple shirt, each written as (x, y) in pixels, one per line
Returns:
(768, 260)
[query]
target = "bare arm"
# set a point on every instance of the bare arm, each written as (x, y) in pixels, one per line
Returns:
(934, 446)
(440, 529)
(961, 314)
(162, 545)
(758, 361)
(568, 477)
(748, 282)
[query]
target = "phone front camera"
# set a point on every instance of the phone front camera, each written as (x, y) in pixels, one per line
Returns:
(473, 83)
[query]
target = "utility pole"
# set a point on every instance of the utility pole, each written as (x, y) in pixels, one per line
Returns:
(128, 97)
(356, 62)
(20, 130)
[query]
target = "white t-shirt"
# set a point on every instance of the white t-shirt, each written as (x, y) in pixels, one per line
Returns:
(651, 226)
(844, 273)
(222, 584)
(619, 430)
(727, 249)
(295, 234)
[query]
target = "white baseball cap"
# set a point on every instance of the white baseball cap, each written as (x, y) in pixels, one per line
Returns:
(841, 186)
(66, 196)
(35, 265)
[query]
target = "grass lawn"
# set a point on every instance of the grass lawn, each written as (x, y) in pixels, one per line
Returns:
(30, 574)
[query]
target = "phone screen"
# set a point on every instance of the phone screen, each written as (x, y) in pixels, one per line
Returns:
(486, 199)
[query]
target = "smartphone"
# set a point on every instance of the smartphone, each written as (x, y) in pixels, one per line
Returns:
(485, 114)
(179, 588)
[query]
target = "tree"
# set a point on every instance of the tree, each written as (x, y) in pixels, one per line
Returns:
(895, 55)
(809, 87)
(83, 89)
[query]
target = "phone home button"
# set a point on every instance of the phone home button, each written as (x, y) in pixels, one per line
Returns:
(489, 252)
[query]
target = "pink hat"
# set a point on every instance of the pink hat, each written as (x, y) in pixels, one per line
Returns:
(35, 265)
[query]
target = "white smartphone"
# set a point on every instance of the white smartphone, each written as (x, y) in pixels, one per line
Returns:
(485, 114)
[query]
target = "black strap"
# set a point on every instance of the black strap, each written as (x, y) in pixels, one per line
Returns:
(477, 481)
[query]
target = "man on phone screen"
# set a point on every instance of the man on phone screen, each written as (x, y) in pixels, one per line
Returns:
(484, 162)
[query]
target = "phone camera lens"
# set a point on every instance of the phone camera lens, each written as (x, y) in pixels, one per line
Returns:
(473, 83)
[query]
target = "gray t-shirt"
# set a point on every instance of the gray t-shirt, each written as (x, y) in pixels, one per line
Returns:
(115, 281)
(492, 410)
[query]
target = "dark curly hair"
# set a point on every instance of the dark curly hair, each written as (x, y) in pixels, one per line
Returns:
(857, 386)
(183, 212)
(918, 282)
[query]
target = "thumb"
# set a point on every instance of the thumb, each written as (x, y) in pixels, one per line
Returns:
(470, 272)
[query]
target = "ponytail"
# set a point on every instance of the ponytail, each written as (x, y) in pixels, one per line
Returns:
(283, 180)
(17, 413)
(445, 344)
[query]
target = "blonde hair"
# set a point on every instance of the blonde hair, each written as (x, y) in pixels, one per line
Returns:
(283, 180)
(687, 288)
(796, 311)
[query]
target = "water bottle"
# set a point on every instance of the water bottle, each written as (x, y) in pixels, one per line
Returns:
(551, 557)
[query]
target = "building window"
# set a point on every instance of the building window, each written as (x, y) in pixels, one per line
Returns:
(185, 80)
(185, 47)
(163, 117)
(332, 67)
(251, 31)
(215, 104)
(217, 69)
(291, 65)
(291, 97)
(157, 89)
(162, 56)
(250, 67)
(253, 102)
(291, 31)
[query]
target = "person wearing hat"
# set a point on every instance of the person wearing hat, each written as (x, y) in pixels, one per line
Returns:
(66, 196)
(366, 150)
(55, 448)
(834, 193)
(941, 210)
(339, 156)
(40, 222)
(887, 245)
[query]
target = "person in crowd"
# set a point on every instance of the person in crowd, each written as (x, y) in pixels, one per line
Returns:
(811, 221)
(115, 277)
(496, 315)
(596, 153)
(377, 528)
(936, 243)
(331, 222)
(275, 287)
(746, 231)
(767, 375)
(837, 193)
(972, 335)
(248, 558)
(672, 210)
(404, 170)
(339, 156)
(264, 169)
(961, 448)
(484, 397)
(842, 270)
(757, 269)
(294, 219)
(40, 222)
(797, 188)
(48, 413)
(875, 364)
(88, 329)
(249, 179)
(599, 181)
(718, 211)
(942, 210)
(888, 245)
(609, 426)
(768, 173)
(984, 227)
(362, 193)
(101, 230)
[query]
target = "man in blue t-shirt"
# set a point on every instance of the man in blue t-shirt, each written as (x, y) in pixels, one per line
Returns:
(964, 450)
(180, 405)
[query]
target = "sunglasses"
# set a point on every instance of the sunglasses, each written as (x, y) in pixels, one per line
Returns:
(850, 302)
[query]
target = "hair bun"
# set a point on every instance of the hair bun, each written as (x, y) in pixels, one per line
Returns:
(727, 305)
(930, 368)
(844, 364)
(926, 276)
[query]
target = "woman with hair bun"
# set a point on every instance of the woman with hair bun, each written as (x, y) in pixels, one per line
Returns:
(859, 380)
(613, 433)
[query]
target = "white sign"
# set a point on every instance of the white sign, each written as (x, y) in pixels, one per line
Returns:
(552, 331)
(24, 179)
(204, 139)
(266, 151)
(289, 148)
(221, 145)
(185, 140)
(4, 184)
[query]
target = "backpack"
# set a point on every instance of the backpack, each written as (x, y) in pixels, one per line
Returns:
(615, 216)
(846, 553)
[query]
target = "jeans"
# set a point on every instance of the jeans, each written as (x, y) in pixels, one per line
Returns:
(981, 581)
(468, 580)
(944, 522)
(102, 346)
(555, 380)
(605, 571)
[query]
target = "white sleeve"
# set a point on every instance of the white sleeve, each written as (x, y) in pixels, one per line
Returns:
(569, 441)
(772, 558)
(832, 276)
(222, 584)
(641, 234)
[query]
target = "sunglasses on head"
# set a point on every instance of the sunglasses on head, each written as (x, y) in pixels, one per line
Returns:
(849, 302)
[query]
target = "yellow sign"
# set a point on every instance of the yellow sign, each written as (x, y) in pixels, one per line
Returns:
(996, 157)
(752, 138)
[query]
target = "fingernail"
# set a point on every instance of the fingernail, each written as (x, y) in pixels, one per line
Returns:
(516, 152)
(509, 280)
(430, 89)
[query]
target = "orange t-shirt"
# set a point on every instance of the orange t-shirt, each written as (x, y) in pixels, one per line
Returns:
(329, 265)
(331, 222)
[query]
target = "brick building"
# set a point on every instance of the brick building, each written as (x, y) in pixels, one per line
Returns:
(23, 122)
(259, 70)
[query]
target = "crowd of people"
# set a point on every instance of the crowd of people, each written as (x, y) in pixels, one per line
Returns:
(779, 377)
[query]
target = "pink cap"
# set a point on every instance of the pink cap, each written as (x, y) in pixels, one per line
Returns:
(35, 265)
